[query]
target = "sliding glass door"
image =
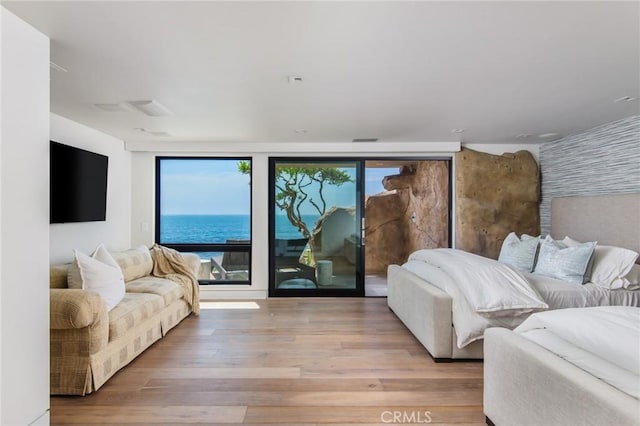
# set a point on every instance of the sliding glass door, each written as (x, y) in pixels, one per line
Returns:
(324, 211)
(315, 220)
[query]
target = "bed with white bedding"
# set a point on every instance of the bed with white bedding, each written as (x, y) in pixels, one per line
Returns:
(428, 293)
(561, 367)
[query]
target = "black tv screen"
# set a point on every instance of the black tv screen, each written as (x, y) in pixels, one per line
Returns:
(78, 185)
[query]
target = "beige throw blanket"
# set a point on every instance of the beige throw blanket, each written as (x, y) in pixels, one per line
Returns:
(170, 264)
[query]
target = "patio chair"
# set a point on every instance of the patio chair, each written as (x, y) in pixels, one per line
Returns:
(234, 265)
(287, 260)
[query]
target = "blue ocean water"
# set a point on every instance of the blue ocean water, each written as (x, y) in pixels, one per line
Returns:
(210, 229)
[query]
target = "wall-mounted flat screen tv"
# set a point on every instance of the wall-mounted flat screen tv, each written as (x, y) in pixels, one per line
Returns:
(78, 185)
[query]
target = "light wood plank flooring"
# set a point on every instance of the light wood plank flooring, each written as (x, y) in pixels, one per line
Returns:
(290, 362)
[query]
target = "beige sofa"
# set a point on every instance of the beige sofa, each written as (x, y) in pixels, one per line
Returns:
(89, 344)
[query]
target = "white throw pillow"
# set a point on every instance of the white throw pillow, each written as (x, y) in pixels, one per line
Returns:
(610, 264)
(98, 272)
(519, 253)
(557, 260)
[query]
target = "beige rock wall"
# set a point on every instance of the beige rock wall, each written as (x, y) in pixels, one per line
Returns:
(411, 215)
(495, 194)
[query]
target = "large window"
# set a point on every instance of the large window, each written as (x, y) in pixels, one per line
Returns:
(203, 205)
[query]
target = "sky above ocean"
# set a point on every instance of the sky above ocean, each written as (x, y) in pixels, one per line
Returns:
(215, 186)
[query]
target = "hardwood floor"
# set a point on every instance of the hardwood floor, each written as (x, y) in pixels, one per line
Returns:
(290, 362)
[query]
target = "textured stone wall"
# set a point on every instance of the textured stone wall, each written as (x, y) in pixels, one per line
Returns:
(495, 194)
(412, 214)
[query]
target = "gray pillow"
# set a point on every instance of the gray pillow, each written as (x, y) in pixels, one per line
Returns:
(557, 260)
(519, 253)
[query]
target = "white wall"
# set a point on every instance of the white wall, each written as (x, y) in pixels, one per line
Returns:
(1, 349)
(143, 189)
(143, 192)
(24, 220)
(115, 231)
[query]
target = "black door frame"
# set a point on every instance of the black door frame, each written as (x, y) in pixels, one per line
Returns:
(358, 291)
(360, 209)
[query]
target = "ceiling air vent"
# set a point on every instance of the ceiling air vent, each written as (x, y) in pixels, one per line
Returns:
(159, 134)
(365, 140)
(112, 107)
(151, 108)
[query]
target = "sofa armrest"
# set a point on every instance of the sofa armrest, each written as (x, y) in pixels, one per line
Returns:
(79, 325)
(72, 308)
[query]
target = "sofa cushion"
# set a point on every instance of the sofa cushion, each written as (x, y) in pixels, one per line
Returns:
(163, 287)
(132, 311)
(135, 263)
(58, 276)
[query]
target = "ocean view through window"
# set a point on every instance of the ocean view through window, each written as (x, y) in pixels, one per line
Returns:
(193, 229)
(203, 206)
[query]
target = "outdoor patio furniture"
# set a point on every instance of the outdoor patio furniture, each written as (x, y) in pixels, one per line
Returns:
(288, 265)
(234, 265)
(297, 283)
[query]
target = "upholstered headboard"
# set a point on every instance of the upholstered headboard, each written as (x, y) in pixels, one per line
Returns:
(608, 219)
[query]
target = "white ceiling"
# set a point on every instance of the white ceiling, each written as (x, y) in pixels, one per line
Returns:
(398, 71)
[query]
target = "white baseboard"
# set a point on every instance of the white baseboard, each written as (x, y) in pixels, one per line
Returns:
(42, 420)
(231, 294)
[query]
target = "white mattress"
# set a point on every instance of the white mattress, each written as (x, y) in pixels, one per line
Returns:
(560, 294)
(623, 297)
(470, 325)
(557, 294)
(606, 371)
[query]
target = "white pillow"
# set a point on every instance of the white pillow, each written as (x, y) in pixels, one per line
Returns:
(633, 277)
(557, 260)
(610, 264)
(519, 253)
(99, 273)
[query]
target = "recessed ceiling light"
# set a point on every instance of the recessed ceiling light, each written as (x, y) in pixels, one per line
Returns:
(152, 108)
(548, 135)
(625, 99)
(365, 140)
(295, 79)
(458, 130)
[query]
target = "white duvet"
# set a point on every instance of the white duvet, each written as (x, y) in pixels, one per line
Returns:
(604, 341)
(610, 332)
(485, 292)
